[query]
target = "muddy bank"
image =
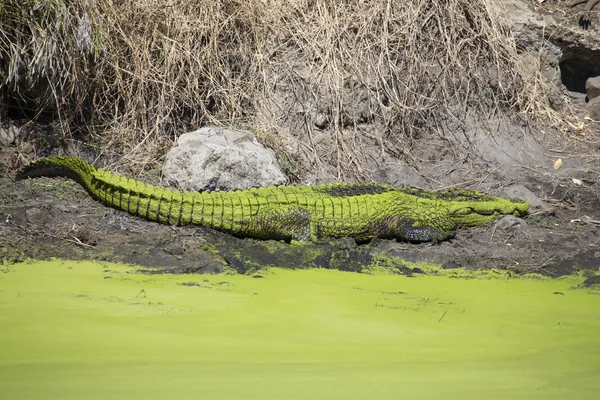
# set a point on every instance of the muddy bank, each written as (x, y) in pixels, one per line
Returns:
(55, 218)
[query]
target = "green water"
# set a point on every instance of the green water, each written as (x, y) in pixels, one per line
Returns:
(97, 331)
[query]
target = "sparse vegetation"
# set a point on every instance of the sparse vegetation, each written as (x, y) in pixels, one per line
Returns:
(136, 74)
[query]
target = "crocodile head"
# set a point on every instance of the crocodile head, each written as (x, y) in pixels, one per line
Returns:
(471, 207)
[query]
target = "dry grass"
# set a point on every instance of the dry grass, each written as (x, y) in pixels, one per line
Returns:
(138, 73)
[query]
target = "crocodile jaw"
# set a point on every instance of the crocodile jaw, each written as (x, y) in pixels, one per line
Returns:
(478, 213)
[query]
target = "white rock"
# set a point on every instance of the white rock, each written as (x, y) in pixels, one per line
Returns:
(215, 158)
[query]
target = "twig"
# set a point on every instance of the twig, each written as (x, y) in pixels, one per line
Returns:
(80, 243)
(442, 317)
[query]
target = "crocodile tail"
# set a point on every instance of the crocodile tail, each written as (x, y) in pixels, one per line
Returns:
(69, 167)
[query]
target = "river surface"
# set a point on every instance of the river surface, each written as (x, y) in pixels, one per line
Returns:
(83, 330)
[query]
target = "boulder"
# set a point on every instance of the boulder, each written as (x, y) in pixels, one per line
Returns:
(215, 158)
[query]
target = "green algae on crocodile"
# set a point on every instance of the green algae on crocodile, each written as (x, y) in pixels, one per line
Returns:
(295, 212)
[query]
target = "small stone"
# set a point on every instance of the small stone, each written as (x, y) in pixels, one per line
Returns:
(9, 134)
(510, 223)
(177, 251)
(592, 87)
(558, 163)
(521, 192)
(593, 107)
(321, 121)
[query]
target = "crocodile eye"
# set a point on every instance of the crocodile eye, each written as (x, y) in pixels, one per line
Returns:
(463, 211)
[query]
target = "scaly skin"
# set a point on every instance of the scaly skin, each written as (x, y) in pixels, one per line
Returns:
(298, 213)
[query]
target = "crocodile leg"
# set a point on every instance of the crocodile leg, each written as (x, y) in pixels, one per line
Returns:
(407, 229)
(426, 234)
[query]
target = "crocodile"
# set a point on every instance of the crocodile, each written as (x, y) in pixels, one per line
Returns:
(297, 213)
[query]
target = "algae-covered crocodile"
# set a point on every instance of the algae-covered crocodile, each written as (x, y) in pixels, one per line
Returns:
(295, 212)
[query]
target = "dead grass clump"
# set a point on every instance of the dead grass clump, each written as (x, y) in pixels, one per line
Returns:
(140, 72)
(408, 68)
(136, 72)
(46, 55)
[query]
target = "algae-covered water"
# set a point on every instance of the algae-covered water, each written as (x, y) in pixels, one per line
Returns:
(100, 331)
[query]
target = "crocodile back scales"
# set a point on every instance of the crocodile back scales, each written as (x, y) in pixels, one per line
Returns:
(289, 212)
